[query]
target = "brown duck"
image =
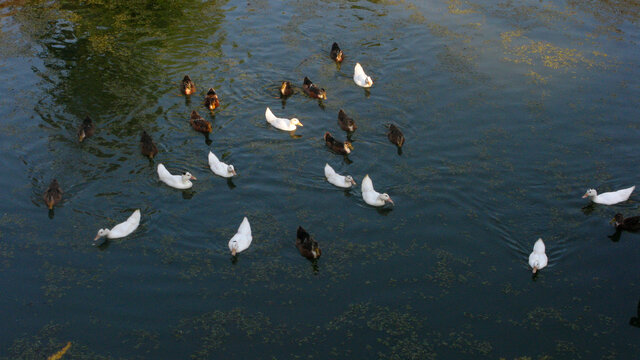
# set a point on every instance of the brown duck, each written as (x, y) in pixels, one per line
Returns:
(346, 123)
(307, 245)
(342, 148)
(336, 53)
(53, 194)
(198, 123)
(627, 224)
(147, 147)
(211, 100)
(86, 129)
(286, 89)
(312, 90)
(187, 86)
(395, 135)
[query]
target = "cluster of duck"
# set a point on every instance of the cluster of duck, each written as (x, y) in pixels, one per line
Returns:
(538, 258)
(305, 243)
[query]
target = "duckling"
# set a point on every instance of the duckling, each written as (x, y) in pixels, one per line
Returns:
(86, 129)
(211, 100)
(307, 245)
(198, 123)
(346, 123)
(395, 135)
(187, 86)
(286, 89)
(147, 147)
(628, 224)
(53, 194)
(342, 148)
(336, 53)
(312, 90)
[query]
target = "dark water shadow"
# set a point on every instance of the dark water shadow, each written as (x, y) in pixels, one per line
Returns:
(635, 321)
(346, 160)
(588, 209)
(367, 92)
(230, 184)
(615, 237)
(207, 139)
(399, 150)
(347, 192)
(314, 266)
(51, 214)
(188, 194)
(534, 276)
(294, 135)
(234, 260)
(102, 243)
(187, 100)
(384, 210)
(321, 104)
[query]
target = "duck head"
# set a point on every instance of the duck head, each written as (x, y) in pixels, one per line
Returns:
(348, 146)
(617, 219)
(101, 233)
(369, 81)
(349, 179)
(591, 193)
(386, 198)
(322, 94)
(536, 266)
(231, 170)
(187, 176)
(285, 88)
(296, 122)
(234, 248)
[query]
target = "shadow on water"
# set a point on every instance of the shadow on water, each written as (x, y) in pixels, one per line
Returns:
(51, 214)
(588, 209)
(635, 321)
(615, 237)
(188, 194)
(384, 210)
(230, 184)
(314, 266)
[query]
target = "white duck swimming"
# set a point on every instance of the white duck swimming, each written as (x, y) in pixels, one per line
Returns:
(360, 78)
(371, 196)
(609, 198)
(337, 179)
(281, 123)
(242, 239)
(538, 259)
(219, 168)
(120, 230)
(175, 181)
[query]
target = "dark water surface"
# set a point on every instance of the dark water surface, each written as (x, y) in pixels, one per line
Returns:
(511, 111)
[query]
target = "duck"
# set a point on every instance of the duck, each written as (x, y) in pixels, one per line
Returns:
(342, 148)
(147, 146)
(198, 123)
(346, 123)
(360, 78)
(219, 168)
(175, 181)
(538, 259)
(395, 135)
(86, 129)
(211, 100)
(281, 123)
(119, 231)
(627, 224)
(609, 198)
(307, 245)
(336, 53)
(337, 179)
(242, 239)
(372, 197)
(286, 89)
(53, 194)
(312, 90)
(187, 86)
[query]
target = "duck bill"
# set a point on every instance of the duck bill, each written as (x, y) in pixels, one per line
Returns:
(585, 195)
(234, 173)
(534, 270)
(300, 124)
(81, 136)
(391, 201)
(233, 252)
(96, 238)
(193, 178)
(353, 182)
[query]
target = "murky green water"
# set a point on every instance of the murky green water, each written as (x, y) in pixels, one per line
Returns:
(511, 110)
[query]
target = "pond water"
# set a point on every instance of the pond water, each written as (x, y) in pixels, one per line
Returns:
(511, 111)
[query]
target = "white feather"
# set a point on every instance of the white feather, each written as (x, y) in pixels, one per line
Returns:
(538, 258)
(360, 78)
(609, 198)
(175, 181)
(281, 123)
(242, 239)
(335, 178)
(371, 196)
(219, 168)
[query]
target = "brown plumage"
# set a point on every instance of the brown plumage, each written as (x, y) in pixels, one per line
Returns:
(395, 135)
(53, 194)
(198, 123)
(336, 54)
(342, 148)
(187, 86)
(147, 147)
(307, 245)
(627, 224)
(86, 129)
(211, 100)
(286, 89)
(346, 123)
(312, 90)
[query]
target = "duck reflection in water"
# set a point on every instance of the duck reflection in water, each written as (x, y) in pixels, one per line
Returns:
(635, 321)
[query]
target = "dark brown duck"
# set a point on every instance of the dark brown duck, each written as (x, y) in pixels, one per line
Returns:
(307, 246)
(312, 90)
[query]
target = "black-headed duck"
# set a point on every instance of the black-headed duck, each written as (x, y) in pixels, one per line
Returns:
(147, 146)
(312, 90)
(86, 129)
(395, 135)
(307, 245)
(53, 194)
(346, 123)
(286, 89)
(211, 100)
(187, 86)
(342, 148)
(198, 123)
(627, 224)
(336, 53)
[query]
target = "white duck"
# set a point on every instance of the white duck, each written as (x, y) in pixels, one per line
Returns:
(281, 123)
(360, 78)
(175, 181)
(219, 168)
(609, 198)
(371, 196)
(120, 230)
(337, 179)
(538, 259)
(242, 239)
